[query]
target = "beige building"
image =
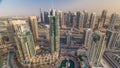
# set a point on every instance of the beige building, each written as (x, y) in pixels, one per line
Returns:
(34, 26)
(96, 48)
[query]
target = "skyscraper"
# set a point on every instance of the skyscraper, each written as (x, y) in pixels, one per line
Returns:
(63, 20)
(86, 16)
(96, 48)
(92, 20)
(46, 18)
(24, 40)
(34, 26)
(41, 17)
(54, 31)
(79, 19)
(111, 38)
(88, 34)
(104, 16)
(69, 20)
(114, 22)
(99, 24)
(60, 18)
(74, 20)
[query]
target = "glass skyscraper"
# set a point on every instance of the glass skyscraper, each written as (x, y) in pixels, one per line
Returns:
(54, 31)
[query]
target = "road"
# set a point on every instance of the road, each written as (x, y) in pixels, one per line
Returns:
(108, 57)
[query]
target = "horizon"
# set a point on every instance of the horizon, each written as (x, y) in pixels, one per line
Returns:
(31, 7)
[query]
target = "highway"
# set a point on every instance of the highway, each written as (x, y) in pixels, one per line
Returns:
(108, 57)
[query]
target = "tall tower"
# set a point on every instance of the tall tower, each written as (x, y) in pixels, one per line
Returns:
(60, 18)
(63, 20)
(102, 19)
(79, 19)
(24, 40)
(69, 22)
(34, 27)
(104, 16)
(96, 48)
(92, 20)
(74, 20)
(41, 17)
(46, 18)
(54, 31)
(86, 15)
(114, 20)
(111, 38)
(88, 34)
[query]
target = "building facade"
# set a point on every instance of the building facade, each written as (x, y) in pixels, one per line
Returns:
(96, 48)
(111, 38)
(86, 16)
(92, 20)
(114, 22)
(88, 34)
(54, 31)
(34, 27)
(24, 40)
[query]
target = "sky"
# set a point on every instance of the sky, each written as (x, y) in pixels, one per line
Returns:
(32, 7)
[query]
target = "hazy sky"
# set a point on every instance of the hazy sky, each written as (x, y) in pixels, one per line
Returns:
(31, 7)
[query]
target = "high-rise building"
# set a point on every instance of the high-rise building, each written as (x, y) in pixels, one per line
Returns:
(88, 34)
(79, 19)
(74, 20)
(86, 16)
(46, 18)
(60, 18)
(99, 24)
(111, 37)
(34, 27)
(54, 31)
(104, 16)
(41, 17)
(69, 20)
(63, 24)
(102, 20)
(92, 20)
(96, 48)
(114, 22)
(24, 40)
